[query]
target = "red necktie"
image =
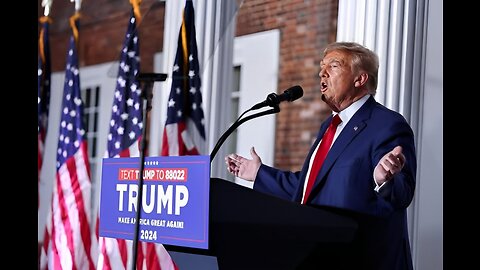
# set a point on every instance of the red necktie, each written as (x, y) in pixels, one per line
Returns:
(321, 154)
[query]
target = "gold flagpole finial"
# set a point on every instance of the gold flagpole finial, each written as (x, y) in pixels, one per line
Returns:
(73, 19)
(136, 9)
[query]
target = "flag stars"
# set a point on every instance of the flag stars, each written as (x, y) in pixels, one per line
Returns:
(175, 68)
(191, 73)
(179, 114)
(40, 72)
(190, 58)
(73, 113)
(193, 90)
(77, 101)
(121, 82)
(127, 115)
(171, 103)
(70, 127)
(120, 130)
(178, 90)
(194, 106)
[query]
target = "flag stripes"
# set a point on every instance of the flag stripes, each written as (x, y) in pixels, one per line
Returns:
(67, 240)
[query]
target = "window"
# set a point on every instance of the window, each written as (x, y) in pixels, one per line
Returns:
(235, 96)
(90, 97)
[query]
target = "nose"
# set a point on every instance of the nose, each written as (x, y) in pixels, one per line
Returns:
(322, 73)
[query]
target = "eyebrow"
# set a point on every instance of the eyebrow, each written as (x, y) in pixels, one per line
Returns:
(333, 60)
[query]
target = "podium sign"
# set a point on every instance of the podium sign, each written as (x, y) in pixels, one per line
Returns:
(175, 200)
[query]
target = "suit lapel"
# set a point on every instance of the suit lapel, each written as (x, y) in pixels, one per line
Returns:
(349, 132)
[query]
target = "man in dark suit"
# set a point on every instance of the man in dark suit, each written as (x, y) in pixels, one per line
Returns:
(369, 169)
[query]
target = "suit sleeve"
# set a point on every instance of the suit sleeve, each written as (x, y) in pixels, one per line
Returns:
(276, 182)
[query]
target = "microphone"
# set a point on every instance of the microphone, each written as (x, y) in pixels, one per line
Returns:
(291, 94)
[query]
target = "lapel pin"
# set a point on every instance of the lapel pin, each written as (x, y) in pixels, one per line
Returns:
(355, 128)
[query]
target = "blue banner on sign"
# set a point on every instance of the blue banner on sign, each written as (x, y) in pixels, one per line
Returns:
(175, 200)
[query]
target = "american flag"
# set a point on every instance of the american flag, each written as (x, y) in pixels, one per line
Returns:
(124, 141)
(184, 132)
(44, 75)
(68, 238)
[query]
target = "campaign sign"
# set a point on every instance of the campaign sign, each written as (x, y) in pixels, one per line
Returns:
(175, 200)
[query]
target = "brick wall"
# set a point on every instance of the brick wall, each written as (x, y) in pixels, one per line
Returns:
(306, 26)
(102, 31)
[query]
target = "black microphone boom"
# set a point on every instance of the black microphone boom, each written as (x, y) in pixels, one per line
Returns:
(152, 77)
(291, 94)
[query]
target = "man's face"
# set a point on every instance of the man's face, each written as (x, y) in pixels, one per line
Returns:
(337, 80)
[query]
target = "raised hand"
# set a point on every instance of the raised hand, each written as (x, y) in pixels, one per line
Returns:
(389, 165)
(242, 167)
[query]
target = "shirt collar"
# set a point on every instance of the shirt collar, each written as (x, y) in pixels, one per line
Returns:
(348, 112)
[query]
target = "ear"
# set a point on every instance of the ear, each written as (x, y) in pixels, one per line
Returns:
(361, 79)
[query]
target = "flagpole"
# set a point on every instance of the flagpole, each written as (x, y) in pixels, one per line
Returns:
(147, 95)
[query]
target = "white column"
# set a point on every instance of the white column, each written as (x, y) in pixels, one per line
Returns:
(409, 72)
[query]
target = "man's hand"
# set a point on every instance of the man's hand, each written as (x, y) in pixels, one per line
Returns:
(389, 165)
(244, 168)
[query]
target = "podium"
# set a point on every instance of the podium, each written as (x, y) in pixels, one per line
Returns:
(252, 230)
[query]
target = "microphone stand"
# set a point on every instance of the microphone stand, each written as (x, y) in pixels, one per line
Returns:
(146, 95)
(237, 123)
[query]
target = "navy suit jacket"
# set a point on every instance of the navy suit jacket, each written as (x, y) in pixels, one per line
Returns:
(345, 181)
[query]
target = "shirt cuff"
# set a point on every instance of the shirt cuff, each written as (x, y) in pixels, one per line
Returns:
(377, 187)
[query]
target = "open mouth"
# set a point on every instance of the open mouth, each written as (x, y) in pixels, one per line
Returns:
(323, 86)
